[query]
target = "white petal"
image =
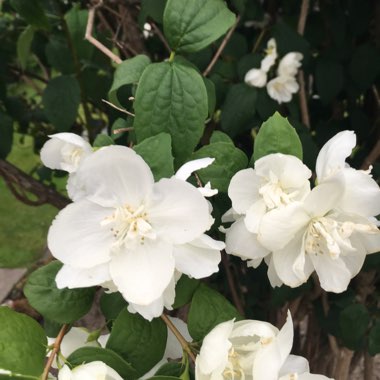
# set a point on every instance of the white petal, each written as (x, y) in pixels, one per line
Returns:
(333, 273)
(285, 338)
(173, 349)
(213, 355)
(256, 78)
(95, 370)
(178, 212)
(240, 242)
(76, 236)
(254, 215)
(290, 64)
(143, 272)
(333, 154)
(272, 274)
(207, 191)
(251, 328)
(291, 264)
(186, 170)
(279, 226)
(362, 193)
(73, 277)
(294, 364)
(230, 216)
(244, 190)
(156, 308)
(281, 89)
(114, 176)
(325, 196)
(199, 258)
(312, 376)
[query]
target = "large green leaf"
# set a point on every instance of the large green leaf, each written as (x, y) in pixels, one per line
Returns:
(191, 25)
(6, 133)
(138, 341)
(171, 97)
(329, 79)
(127, 72)
(111, 304)
(276, 135)
(239, 109)
(61, 100)
(22, 343)
(32, 11)
(59, 305)
(58, 54)
(109, 357)
(208, 308)
(184, 290)
(24, 44)
(76, 20)
(157, 153)
(228, 160)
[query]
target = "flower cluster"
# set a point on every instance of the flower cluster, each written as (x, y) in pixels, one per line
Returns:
(284, 85)
(251, 349)
(329, 229)
(126, 232)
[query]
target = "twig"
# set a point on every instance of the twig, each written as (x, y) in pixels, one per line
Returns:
(258, 40)
(118, 108)
(221, 47)
(56, 347)
(88, 36)
(128, 129)
(182, 341)
(20, 183)
(161, 36)
(231, 284)
(301, 79)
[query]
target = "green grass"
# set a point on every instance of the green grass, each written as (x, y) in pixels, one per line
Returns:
(23, 229)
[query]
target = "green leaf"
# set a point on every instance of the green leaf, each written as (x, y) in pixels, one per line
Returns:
(228, 160)
(238, 109)
(374, 339)
(24, 44)
(138, 341)
(208, 309)
(171, 97)
(276, 135)
(175, 369)
(184, 291)
(6, 133)
(17, 376)
(103, 140)
(211, 97)
(127, 72)
(111, 304)
(32, 12)
(218, 136)
(23, 343)
(76, 20)
(191, 25)
(353, 323)
(58, 54)
(153, 9)
(365, 66)
(109, 357)
(157, 153)
(59, 305)
(329, 79)
(61, 100)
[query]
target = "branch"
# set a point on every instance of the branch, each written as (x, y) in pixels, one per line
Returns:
(56, 347)
(161, 36)
(301, 78)
(182, 341)
(118, 108)
(221, 47)
(88, 36)
(20, 183)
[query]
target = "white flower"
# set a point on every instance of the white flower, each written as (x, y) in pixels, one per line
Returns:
(89, 371)
(74, 339)
(126, 226)
(65, 151)
(362, 194)
(246, 349)
(271, 55)
(276, 181)
(313, 235)
(297, 368)
(289, 64)
(256, 78)
(281, 88)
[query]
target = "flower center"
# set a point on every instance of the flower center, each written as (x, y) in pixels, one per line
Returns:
(233, 370)
(273, 194)
(72, 155)
(326, 235)
(129, 225)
